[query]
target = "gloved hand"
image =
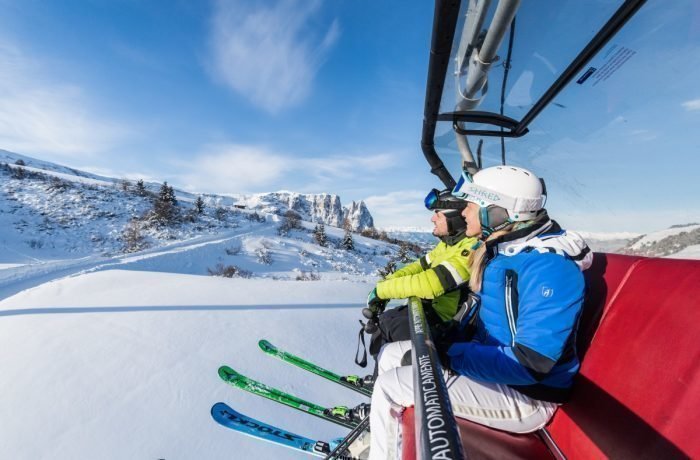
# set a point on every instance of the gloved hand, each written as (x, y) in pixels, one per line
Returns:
(375, 305)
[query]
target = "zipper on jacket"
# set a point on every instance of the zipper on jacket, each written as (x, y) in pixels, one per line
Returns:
(511, 301)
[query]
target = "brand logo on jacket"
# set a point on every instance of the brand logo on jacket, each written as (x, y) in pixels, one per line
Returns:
(547, 291)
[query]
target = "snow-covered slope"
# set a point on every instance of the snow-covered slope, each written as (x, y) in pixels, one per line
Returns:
(123, 364)
(679, 241)
(47, 213)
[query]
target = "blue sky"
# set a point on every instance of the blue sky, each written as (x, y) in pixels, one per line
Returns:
(310, 96)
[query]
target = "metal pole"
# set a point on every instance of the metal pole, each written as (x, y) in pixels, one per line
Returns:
(437, 436)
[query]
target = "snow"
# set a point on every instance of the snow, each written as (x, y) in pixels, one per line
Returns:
(4, 266)
(607, 236)
(661, 234)
(122, 364)
(690, 252)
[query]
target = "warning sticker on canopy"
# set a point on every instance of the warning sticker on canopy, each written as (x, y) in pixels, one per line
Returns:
(607, 64)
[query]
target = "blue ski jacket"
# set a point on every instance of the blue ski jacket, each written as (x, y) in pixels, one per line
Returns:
(531, 299)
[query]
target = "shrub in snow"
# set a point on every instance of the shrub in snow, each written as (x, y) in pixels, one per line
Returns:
(264, 257)
(233, 250)
(370, 233)
(388, 269)
(403, 256)
(57, 185)
(18, 173)
(290, 221)
(20, 162)
(229, 271)
(35, 244)
(255, 217)
(190, 216)
(220, 214)
(382, 236)
(308, 276)
(132, 238)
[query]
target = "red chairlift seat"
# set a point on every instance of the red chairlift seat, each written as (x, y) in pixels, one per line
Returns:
(638, 392)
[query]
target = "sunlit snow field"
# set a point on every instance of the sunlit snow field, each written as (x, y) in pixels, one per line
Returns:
(123, 364)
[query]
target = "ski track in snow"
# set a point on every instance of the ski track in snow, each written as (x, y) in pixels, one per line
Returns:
(23, 277)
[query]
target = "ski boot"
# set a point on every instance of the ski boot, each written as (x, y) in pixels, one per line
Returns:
(356, 414)
(326, 448)
(358, 450)
(363, 382)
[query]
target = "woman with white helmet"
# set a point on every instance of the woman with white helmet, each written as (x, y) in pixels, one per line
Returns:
(520, 363)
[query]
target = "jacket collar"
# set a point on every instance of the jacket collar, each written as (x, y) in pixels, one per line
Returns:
(543, 235)
(451, 240)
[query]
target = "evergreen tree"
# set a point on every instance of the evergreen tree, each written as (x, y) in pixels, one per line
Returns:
(167, 194)
(199, 205)
(320, 234)
(165, 206)
(348, 244)
(140, 188)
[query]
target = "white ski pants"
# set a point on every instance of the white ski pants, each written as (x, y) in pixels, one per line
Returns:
(494, 405)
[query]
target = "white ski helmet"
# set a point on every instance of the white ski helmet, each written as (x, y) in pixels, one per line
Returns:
(514, 189)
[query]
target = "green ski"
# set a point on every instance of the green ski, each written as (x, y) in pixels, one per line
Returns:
(352, 382)
(237, 380)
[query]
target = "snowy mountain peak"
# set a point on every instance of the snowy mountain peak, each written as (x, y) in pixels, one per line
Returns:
(358, 217)
(321, 207)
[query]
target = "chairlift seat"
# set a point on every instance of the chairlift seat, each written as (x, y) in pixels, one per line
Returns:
(638, 390)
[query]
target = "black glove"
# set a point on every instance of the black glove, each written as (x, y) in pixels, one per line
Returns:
(444, 336)
(375, 306)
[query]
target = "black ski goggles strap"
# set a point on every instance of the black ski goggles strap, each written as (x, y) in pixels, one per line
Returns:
(361, 339)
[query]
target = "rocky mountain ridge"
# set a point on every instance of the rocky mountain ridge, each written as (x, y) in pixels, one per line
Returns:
(319, 208)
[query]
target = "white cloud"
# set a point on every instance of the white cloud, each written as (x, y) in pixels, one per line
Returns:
(238, 168)
(267, 53)
(403, 208)
(691, 105)
(345, 166)
(38, 115)
(234, 168)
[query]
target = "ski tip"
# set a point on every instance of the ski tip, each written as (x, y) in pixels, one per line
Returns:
(266, 346)
(219, 408)
(226, 373)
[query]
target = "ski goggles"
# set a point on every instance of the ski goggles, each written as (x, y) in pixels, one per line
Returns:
(437, 200)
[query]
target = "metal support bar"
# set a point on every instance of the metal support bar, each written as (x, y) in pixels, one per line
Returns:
(444, 24)
(437, 436)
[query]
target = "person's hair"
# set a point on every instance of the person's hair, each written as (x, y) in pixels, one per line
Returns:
(477, 257)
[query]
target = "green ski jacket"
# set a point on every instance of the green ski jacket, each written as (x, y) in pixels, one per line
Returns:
(434, 276)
